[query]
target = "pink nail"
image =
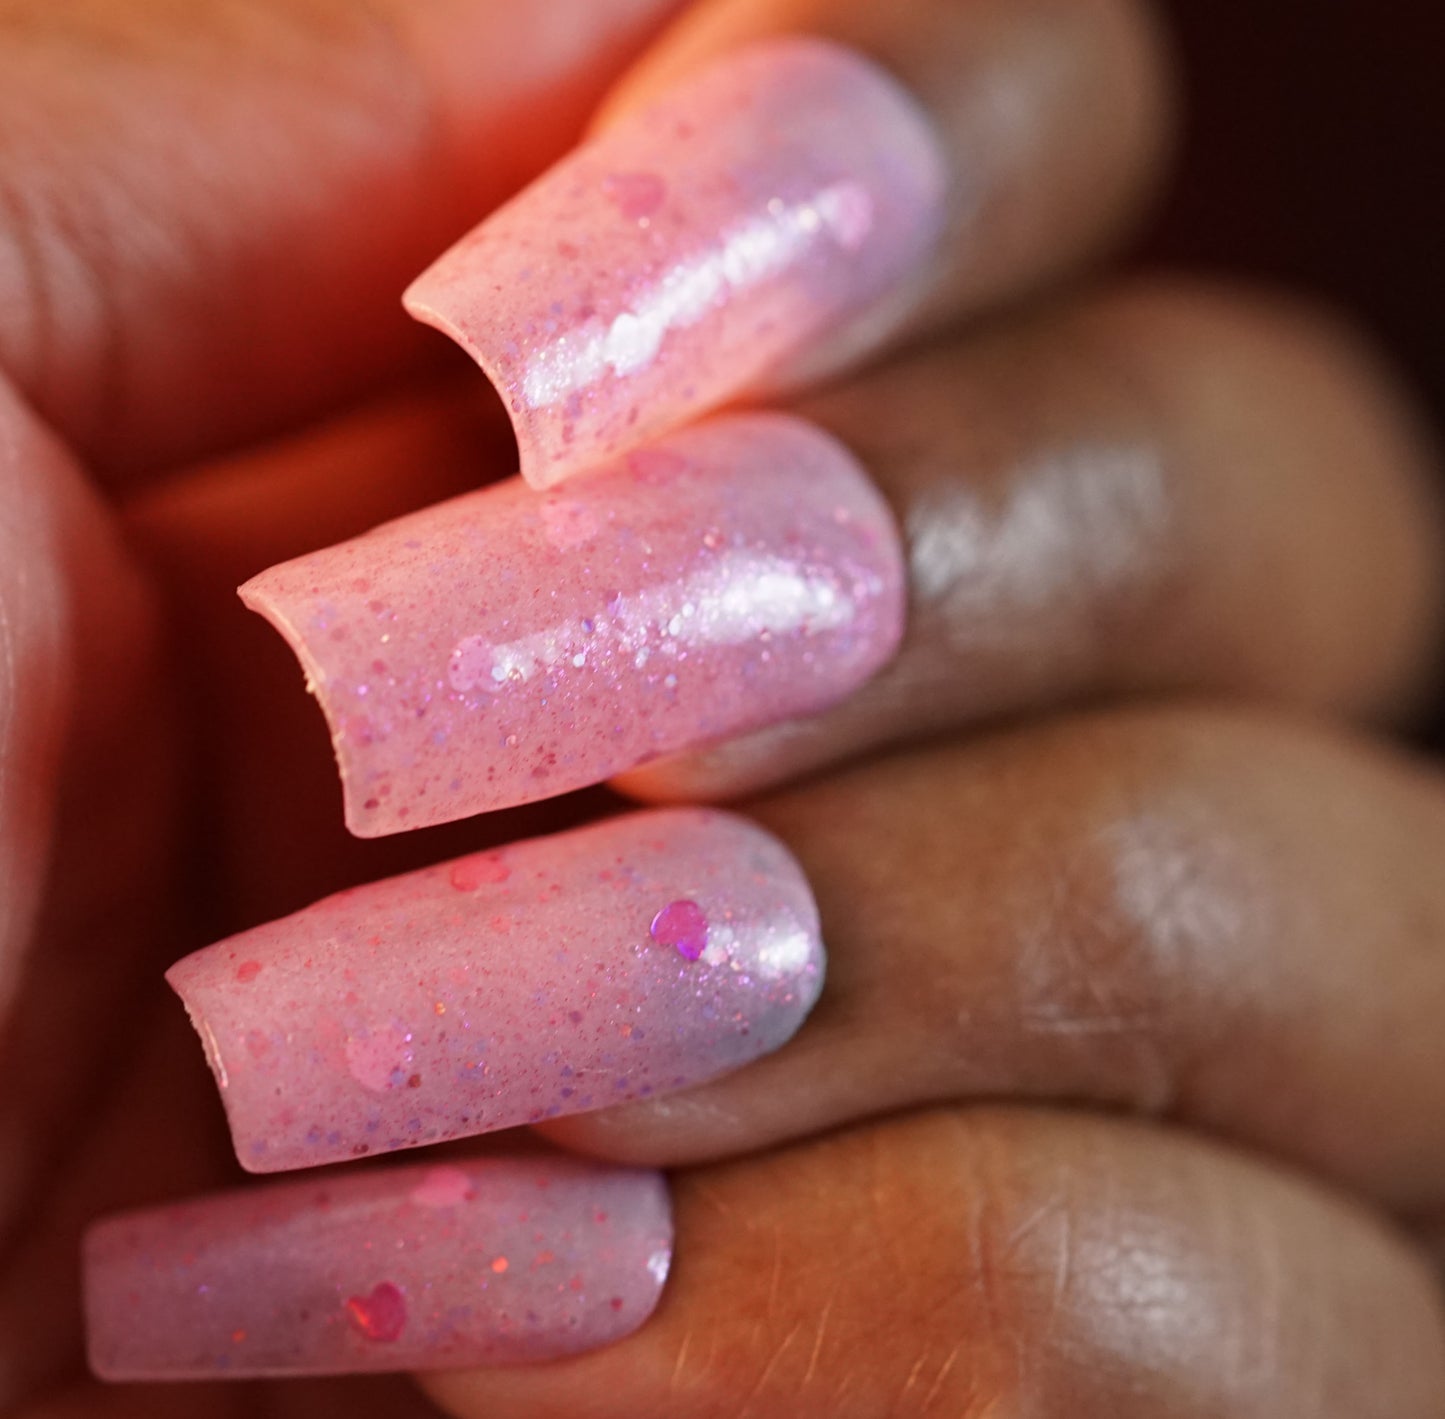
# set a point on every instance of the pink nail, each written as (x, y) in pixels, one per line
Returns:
(620, 961)
(693, 251)
(505, 646)
(488, 1262)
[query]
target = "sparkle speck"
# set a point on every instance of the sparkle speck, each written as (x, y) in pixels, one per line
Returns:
(500, 1265)
(682, 924)
(659, 1263)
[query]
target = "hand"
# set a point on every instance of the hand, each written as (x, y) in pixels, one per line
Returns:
(1143, 908)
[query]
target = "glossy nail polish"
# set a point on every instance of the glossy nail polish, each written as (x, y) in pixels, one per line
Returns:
(488, 1262)
(505, 646)
(693, 251)
(619, 961)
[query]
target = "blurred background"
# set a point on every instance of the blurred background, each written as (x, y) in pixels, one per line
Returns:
(1315, 155)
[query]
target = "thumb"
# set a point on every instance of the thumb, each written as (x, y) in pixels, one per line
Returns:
(84, 798)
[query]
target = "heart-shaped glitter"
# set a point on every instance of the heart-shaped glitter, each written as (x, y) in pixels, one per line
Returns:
(381, 1315)
(683, 925)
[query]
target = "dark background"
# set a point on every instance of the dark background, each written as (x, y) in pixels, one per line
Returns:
(1314, 154)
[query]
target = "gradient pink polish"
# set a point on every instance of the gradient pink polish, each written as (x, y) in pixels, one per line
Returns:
(488, 1262)
(693, 250)
(507, 646)
(624, 960)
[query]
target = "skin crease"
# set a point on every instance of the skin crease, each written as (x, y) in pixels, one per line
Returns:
(790, 1218)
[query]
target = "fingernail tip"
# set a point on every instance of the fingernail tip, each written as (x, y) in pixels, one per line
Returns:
(425, 301)
(187, 978)
(178, 980)
(420, 302)
(263, 595)
(94, 1302)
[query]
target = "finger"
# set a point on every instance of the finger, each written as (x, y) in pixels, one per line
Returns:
(1160, 487)
(210, 209)
(753, 216)
(84, 796)
(34, 661)
(1011, 1263)
(148, 1135)
(1192, 914)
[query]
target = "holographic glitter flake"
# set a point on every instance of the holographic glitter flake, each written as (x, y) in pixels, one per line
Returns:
(682, 925)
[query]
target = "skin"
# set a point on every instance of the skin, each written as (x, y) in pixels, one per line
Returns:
(1124, 1094)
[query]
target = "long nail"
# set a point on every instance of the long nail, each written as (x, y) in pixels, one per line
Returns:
(693, 250)
(486, 1262)
(620, 961)
(505, 647)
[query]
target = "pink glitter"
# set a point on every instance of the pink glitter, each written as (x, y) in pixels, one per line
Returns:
(683, 925)
(380, 1315)
(472, 872)
(637, 194)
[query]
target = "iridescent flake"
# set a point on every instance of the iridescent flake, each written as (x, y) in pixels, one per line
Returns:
(682, 925)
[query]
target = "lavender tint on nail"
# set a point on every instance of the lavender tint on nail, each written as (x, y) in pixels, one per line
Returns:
(487, 1262)
(692, 249)
(621, 961)
(508, 646)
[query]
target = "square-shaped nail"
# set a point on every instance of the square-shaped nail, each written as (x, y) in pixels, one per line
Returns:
(505, 646)
(486, 1262)
(693, 250)
(624, 960)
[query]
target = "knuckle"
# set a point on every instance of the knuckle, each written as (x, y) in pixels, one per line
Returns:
(1111, 929)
